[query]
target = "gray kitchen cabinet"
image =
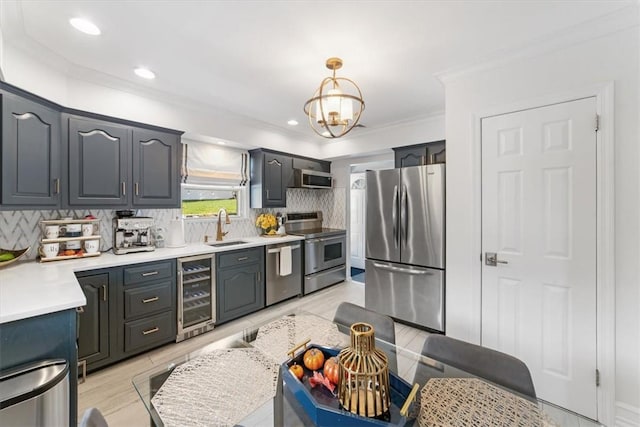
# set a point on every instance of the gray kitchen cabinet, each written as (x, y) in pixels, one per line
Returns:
(239, 283)
(420, 154)
(93, 319)
(311, 164)
(99, 172)
(30, 154)
(147, 307)
(130, 309)
(49, 336)
(271, 174)
(155, 168)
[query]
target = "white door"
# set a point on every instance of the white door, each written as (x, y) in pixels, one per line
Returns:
(539, 216)
(358, 214)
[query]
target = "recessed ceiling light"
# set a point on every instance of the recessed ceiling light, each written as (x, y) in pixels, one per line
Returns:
(222, 143)
(292, 122)
(85, 26)
(145, 73)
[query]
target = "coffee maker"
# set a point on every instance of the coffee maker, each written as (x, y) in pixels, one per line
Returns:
(132, 233)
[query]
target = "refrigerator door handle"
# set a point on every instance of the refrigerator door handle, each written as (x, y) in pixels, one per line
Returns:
(394, 215)
(402, 270)
(405, 214)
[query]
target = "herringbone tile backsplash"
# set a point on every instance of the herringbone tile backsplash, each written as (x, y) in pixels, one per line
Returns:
(19, 229)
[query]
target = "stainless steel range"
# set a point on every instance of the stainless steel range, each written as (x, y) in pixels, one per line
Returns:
(324, 250)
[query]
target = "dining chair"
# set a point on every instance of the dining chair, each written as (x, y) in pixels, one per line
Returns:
(492, 365)
(347, 314)
(92, 417)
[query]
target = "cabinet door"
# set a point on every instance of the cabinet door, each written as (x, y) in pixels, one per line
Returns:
(93, 336)
(277, 170)
(155, 169)
(240, 291)
(98, 163)
(411, 156)
(30, 153)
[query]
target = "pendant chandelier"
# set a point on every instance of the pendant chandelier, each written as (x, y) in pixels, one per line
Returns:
(336, 106)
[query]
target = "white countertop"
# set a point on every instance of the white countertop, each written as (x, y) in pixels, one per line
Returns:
(29, 289)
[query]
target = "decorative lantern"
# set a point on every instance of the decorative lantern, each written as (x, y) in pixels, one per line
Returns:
(363, 386)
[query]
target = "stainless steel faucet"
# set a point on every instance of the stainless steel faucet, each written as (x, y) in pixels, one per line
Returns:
(219, 233)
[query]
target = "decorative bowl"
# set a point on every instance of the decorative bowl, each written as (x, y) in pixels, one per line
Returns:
(16, 253)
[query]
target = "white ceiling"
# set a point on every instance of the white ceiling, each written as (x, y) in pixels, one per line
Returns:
(263, 59)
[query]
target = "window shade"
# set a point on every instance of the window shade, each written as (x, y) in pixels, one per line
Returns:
(207, 164)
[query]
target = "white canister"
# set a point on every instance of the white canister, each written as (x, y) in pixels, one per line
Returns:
(175, 234)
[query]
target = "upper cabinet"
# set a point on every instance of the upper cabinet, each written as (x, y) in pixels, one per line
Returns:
(420, 154)
(270, 175)
(30, 153)
(55, 157)
(155, 168)
(99, 172)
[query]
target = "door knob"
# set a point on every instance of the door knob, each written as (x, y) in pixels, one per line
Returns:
(491, 259)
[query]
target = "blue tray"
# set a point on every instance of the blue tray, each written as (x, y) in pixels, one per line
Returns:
(322, 408)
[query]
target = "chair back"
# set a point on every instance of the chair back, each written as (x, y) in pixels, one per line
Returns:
(93, 418)
(347, 314)
(492, 365)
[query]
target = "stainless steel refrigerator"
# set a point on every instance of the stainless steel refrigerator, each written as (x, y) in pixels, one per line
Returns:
(405, 244)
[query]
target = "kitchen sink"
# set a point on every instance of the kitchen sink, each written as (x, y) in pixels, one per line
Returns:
(221, 244)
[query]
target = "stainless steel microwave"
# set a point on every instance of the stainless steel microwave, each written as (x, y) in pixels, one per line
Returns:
(305, 178)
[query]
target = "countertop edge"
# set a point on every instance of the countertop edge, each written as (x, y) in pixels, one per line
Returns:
(18, 282)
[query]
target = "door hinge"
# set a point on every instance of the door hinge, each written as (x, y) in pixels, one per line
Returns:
(597, 377)
(597, 122)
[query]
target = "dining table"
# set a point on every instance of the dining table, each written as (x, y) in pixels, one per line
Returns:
(239, 379)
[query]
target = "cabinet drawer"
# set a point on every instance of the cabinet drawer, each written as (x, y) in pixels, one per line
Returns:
(147, 272)
(149, 331)
(241, 257)
(147, 299)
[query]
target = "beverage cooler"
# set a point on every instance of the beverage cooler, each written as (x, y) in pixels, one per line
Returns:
(196, 296)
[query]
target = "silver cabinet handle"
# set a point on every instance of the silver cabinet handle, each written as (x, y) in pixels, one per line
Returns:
(150, 331)
(148, 300)
(136, 188)
(259, 277)
(151, 273)
(394, 215)
(402, 270)
(56, 186)
(123, 185)
(104, 292)
(243, 258)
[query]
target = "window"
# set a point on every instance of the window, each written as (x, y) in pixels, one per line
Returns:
(213, 178)
(201, 201)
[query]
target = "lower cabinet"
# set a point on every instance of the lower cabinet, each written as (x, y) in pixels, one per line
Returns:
(130, 309)
(93, 319)
(239, 283)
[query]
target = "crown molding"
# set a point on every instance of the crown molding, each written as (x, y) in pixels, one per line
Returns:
(619, 20)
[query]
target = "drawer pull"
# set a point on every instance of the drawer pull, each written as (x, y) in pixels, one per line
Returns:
(243, 258)
(150, 331)
(148, 300)
(151, 273)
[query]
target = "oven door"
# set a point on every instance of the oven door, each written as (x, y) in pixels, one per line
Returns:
(324, 252)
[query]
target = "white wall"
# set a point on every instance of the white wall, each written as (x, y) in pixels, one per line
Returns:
(613, 57)
(34, 75)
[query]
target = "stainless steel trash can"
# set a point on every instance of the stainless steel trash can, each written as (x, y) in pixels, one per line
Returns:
(36, 394)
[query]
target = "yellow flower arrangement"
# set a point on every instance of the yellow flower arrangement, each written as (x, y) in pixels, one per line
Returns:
(267, 222)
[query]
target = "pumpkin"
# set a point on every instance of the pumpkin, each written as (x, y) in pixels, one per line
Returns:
(313, 359)
(331, 370)
(297, 371)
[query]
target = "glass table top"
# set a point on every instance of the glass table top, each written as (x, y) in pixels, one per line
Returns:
(236, 379)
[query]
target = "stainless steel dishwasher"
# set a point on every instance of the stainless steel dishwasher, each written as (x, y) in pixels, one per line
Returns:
(280, 286)
(35, 395)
